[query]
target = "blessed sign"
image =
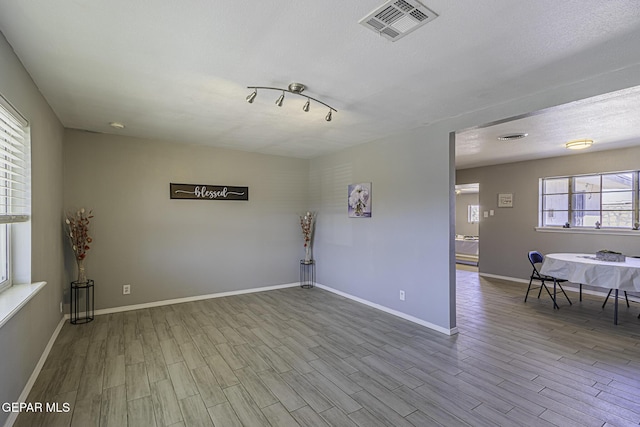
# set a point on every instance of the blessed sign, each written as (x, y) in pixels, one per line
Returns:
(208, 192)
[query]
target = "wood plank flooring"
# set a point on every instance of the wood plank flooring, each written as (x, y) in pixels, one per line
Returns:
(308, 357)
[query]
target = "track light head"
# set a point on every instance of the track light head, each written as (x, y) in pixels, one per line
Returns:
(295, 89)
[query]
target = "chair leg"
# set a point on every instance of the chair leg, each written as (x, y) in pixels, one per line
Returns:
(565, 294)
(539, 292)
(551, 296)
(580, 292)
(528, 289)
(626, 298)
(607, 298)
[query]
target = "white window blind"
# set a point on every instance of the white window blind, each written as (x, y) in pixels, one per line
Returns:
(15, 174)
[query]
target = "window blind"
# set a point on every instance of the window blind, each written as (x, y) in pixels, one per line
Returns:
(15, 173)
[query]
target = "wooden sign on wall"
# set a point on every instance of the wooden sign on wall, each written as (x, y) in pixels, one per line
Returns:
(208, 192)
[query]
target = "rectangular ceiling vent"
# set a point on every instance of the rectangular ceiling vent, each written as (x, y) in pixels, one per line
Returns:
(397, 18)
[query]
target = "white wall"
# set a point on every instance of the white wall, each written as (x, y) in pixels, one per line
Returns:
(178, 248)
(24, 337)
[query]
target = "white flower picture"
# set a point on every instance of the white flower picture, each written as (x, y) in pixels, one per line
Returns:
(360, 200)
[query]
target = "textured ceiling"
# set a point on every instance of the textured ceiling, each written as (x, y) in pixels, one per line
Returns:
(611, 121)
(178, 71)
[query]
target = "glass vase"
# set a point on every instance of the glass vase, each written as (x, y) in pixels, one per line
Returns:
(82, 274)
(307, 254)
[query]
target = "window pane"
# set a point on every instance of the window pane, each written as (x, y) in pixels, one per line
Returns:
(558, 202)
(554, 218)
(619, 200)
(556, 185)
(585, 218)
(617, 219)
(617, 181)
(585, 201)
(4, 258)
(474, 213)
(587, 183)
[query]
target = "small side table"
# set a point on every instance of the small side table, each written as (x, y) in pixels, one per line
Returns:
(307, 273)
(77, 289)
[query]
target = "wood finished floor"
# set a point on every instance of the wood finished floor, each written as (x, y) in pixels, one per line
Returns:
(311, 358)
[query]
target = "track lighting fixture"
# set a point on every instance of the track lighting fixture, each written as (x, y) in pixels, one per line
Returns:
(296, 89)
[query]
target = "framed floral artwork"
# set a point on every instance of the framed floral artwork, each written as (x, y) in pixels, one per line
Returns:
(360, 200)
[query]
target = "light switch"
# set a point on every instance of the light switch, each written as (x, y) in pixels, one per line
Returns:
(491, 212)
(485, 214)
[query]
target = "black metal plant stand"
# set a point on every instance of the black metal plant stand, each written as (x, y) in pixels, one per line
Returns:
(77, 291)
(307, 274)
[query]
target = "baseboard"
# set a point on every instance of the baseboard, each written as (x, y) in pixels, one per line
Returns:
(572, 287)
(187, 299)
(421, 322)
(404, 316)
(36, 371)
(510, 279)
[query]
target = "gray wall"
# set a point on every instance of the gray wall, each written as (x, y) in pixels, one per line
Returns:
(171, 250)
(463, 226)
(510, 234)
(24, 337)
(408, 243)
(179, 248)
(403, 246)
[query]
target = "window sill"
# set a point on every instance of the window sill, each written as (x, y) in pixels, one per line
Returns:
(15, 297)
(601, 231)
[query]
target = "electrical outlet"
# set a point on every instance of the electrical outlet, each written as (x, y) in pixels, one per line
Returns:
(126, 289)
(401, 295)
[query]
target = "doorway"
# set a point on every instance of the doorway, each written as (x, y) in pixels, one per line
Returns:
(467, 224)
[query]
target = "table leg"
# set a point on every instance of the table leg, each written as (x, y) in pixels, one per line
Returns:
(615, 310)
(555, 305)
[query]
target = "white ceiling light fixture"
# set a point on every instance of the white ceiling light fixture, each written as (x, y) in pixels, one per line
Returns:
(396, 18)
(512, 136)
(294, 88)
(579, 144)
(117, 125)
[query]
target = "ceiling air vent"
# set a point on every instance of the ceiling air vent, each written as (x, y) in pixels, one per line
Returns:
(397, 18)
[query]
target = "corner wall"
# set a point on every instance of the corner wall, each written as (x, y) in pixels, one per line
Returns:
(403, 246)
(24, 337)
(167, 249)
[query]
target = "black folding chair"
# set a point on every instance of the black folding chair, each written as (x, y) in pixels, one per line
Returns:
(536, 257)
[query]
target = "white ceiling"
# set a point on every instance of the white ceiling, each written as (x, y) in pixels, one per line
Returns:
(178, 70)
(611, 121)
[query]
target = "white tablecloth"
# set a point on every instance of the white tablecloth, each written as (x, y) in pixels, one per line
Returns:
(467, 247)
(586, 269)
